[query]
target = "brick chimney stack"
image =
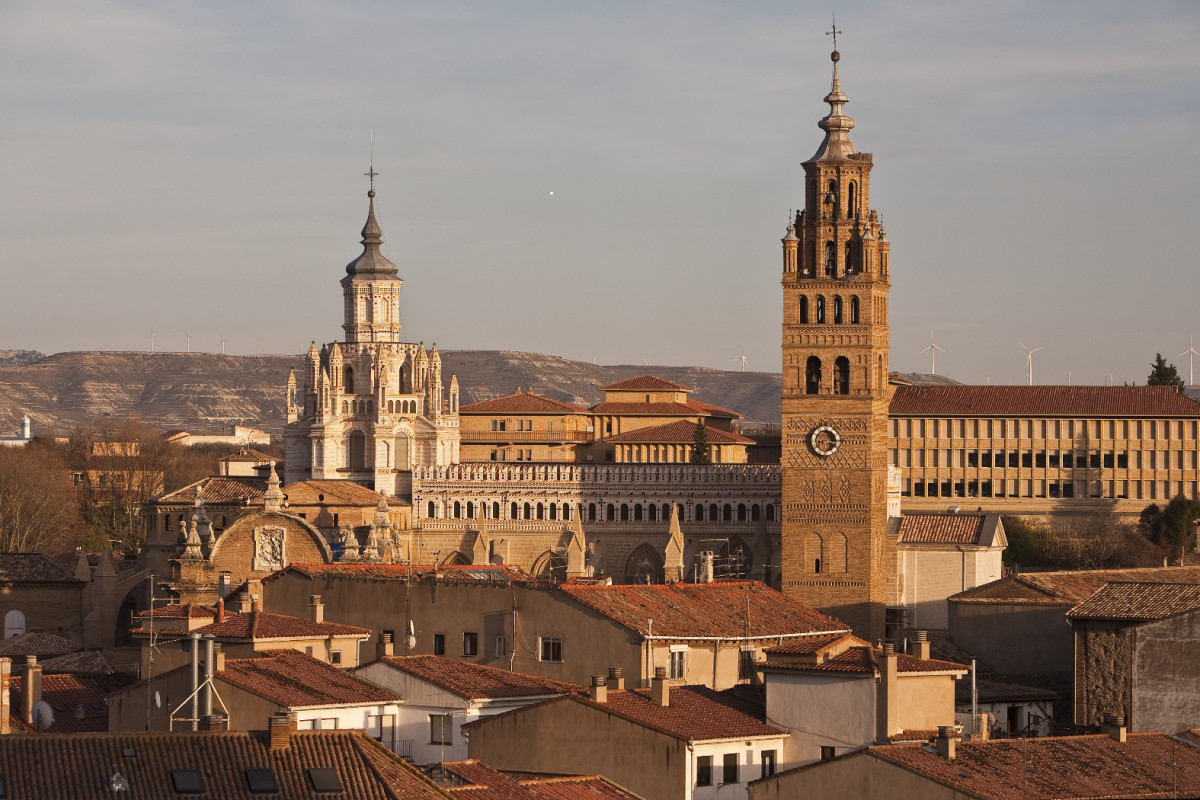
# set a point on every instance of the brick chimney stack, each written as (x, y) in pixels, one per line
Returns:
(616, 679)
(1114, 726)
(281, 731)
(212, 722)
(888, 700)
(599, 691)
(660, 687)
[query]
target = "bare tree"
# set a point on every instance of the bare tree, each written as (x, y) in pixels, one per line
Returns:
(38, 510)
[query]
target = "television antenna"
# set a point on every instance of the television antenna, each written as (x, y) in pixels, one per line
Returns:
(1029, 360)
(1190, 353)
(933, 351)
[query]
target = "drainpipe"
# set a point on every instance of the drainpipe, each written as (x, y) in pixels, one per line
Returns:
(195, 637)
(209, 666)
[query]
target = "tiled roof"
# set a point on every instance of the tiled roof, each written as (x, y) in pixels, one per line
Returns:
(257, 625)
(691, 409)
(346, 493)
(681, 432)
(521, 403)
(993, 692)
(1139, 601)
(1145, 765)
(249, 455)
(33, 568)
(698, 610)
(42, 645)
(218, 490)
(476, 681)
(941, 528)
(77, 701)
(1041, 401)
(294, 679)
(809, 645)
(474, 573)
(645, 383)
(180, 611)
(862, 659)
(481, 782)
(365, 770)
(693, 713)
(1069, 587)
(82, 661)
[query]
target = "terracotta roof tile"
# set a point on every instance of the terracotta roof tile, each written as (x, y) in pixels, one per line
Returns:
(365, 770)
(1139, 601)
(1069, 587)
(258, 625)
(33, 568)
(861, 657)
(476, 681)
(681, 432)
(691, 409)
(218, 490)
(472, 573)
(522, 403)
(42, 645)
(809, 645)
(698, 610)
(77, 701)
(646, 383)
(481, 782)
(82, 661)
(693, 713)
(179, 611)
(941, 528)
(1043, 401)
(338, 492)
(294, 679)
(1146, 765)
(993, 692)
(248, 454)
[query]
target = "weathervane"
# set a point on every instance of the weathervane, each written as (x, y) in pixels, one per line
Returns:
(371, 173)
(834, 32)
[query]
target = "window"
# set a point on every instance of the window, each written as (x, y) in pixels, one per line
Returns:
(470, 644)
(439, 644)
(14, 624)
(441, 729)
(262, 781)
(729, 771)
(803, 310)
(704, 771)
(187, 781)
(551, 649)
(501, 650)
(324, 779)
(746, 664)
(812, 375)
(827, 752)
(768, 763)
(335, 657)
(678, 664)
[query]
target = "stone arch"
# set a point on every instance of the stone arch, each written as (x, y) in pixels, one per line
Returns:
(456, 558)
(838, 553)
(814, 553)
(14, 623)
(550, 566)
(645, 565)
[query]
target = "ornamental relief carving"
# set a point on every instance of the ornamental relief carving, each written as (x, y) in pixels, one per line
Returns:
(268, 549)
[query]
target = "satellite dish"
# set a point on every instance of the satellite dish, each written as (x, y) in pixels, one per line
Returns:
(43, 715)
(157, 700)
(411, 641)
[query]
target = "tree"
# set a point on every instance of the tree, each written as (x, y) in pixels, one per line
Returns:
(1163, 374)
(38, 511)
(701, 452)
(1178, 524)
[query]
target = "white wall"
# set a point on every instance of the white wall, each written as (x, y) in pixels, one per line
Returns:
(932, 574)
(352, 718)
(820, 710)
(749, 753)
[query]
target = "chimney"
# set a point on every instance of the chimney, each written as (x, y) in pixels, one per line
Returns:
(385, 647)
(660, 687)
(317, 608)
(218, 657)
(616, 679)
(31, 688)
(706, 567)
(5, 694)
(888, 700)
(212, 722)
(1114, 726)
(921, 646)
(223, 586)
(599, 690)
(221, 610)
(281, 731)
(947, 739)
(243, 602)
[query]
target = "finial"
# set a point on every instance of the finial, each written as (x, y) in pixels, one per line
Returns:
(834, 33)
(371, 173)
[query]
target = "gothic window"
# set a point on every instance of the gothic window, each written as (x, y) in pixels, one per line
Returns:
(345, 407)
(770, 512)
(401, 443)
(842, 375)
(348, 381)
(837, 310)
(727, 513)
(495, 510)
(666, 511)
(457, 510)
(854, 311)
(470, 510)
(812, 376)
(610, 513)
(624, 512)
(512, 511)
(357, 450)
(803, 310)
(853, 207)
(712, 512)
(820, 310)
(652, 513)
(553, 507)
(699, 513)
(430, 511)
(755, 512)
(637, 512)
(830, 259)
(591, 512)
(741, 512)
(527, 511)
(644, 566)
(541, 511)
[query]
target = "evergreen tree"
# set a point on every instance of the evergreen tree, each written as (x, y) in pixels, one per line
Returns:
(1163, 374)
(700, 450)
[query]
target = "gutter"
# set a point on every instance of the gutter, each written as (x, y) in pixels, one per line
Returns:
(732, 639)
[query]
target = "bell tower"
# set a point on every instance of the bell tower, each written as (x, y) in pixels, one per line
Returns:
(835, 385)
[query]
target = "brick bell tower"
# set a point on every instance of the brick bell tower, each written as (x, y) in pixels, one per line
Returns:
(835, 386)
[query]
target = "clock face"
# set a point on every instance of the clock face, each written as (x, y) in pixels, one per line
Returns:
(824, 440)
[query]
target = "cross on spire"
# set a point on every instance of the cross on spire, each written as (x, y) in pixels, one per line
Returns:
(834, 32)
(371, 173)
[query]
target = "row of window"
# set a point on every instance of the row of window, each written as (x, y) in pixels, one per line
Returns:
(730, 768)
(820, 316)
(1046, 459)
(1045, 428)
(1113, 489)
(502, 424)
(520, 454)
(610, 512)
(549, 647)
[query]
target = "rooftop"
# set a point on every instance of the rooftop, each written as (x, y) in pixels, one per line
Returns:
(1043, 401)
(347, 493)
(218, 490)
(294, 679)
(723, 609)
(478, 781)
(690, 409)
(77, 701)
(681, 432)
(1069, 587)
(968, 529)
(33, 568)
(848, 654)
(646, 383)
(1139, 602)
(475, 573)
(258, 625)
(476, 681)
(993, 692)
(42, 645)
(521, 403)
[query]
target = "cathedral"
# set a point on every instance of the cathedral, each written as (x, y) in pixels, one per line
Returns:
(372, 407)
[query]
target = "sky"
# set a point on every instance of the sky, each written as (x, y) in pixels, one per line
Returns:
(604, 181)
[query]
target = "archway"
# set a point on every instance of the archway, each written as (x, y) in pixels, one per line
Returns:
(645, 565)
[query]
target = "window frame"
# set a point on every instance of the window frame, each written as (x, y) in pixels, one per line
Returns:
(704, 771)
(470, 643)
(730, 765)
(444, 722)
(547, 645)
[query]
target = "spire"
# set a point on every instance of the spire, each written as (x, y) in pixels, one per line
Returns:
(836, 145)
(791, 229)
(372, 263)
(273, 498)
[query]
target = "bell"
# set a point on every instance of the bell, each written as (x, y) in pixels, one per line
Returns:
(829, 198)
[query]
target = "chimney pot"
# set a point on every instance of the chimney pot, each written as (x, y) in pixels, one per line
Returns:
(385, 648)
(318, 608)
(31, 688)
(616, 679)
(1114, 726)
(660, 687)
(889, 649)
(947, 740)
(599, 690)
(921, 646)
(212, 722)
(281, 731)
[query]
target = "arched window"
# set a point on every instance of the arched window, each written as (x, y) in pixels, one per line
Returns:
(512, 511)
(644, 566)
(430, 511)
(841, 381)
(854, 318)
(624, 512)
(812, 259)
(699, 513)
(837, 310)
(770, 512)
(820, 310)
(495, 510)
(713, 513)
(610, 513)
(833, 197)
(357, 447)
(850, 264)
(755, 512)
(852, 207)
(666, 512)
(637, 512)
(591, 512)
(470, 510)
(812, 376)
(803, 310)
(830, 259)
(14, 624)
(566, 513)
(814, 551)
(348, 379)
(541, 511)
(741, 512)
(553, 510)
(457, 510)
(727, 512)
(652, 513)
(528, 511)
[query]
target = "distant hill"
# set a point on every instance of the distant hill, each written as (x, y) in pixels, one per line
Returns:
(207, 392)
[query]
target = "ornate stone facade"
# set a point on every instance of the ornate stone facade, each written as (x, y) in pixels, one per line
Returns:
(835, 386)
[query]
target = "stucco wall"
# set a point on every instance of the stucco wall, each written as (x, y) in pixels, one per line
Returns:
(1014, 638)
(857, 777)
(820, 710)
(1166, 675)
(932, 574)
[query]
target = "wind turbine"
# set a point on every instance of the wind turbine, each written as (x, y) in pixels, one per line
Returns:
(188, 336)
(222, 343)
(1109, 375)
(152, 340)
(741, 358)
(1190, 352)
(932, 348)
(1029, 360)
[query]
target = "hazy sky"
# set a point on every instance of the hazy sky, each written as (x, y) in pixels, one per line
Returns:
(605, 180)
